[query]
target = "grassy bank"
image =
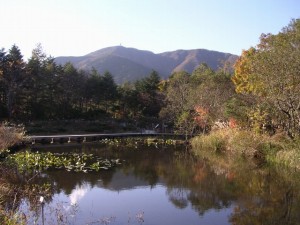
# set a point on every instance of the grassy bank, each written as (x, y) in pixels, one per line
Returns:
(10, 135)
(16, 186)
(276, 149)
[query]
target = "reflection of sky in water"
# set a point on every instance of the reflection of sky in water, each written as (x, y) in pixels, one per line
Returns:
(155, 186)
(98, 203)
(78, 193)
(169, 190)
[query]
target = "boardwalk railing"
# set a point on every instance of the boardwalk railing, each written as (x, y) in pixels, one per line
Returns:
(68, 138)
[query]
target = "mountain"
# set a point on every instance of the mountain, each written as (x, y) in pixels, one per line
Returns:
(129, 64)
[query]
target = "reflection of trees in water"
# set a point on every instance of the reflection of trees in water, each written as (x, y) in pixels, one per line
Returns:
(179, 197)
(262, 210)
(202, 201)
(16, 188)
(68, 181)
(260, 196)
(268, 198)
(206, 190)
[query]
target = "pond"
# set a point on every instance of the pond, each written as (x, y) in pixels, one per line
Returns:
(166, 185)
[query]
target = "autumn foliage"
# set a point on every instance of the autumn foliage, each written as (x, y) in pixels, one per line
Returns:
(201, 116)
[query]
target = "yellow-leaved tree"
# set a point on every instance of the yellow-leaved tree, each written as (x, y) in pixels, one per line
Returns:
(271, 73)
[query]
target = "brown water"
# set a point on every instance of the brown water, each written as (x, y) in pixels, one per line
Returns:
(168, 186)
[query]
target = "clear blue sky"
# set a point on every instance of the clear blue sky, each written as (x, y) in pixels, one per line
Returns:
(77, 27)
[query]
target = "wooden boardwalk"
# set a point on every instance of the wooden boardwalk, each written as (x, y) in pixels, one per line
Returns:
(81, 138)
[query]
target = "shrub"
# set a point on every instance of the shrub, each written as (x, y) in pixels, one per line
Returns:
(291, 154)
(276, 149)
(10, 135)
(216, 141)
(16, 186)
(239, 142)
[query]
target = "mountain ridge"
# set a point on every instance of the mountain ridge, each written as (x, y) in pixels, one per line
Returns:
(130, 64)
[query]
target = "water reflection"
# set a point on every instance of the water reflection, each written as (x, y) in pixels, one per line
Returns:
(78, 193)
(171, 186)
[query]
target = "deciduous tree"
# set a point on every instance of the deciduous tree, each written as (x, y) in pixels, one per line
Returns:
(271, 72)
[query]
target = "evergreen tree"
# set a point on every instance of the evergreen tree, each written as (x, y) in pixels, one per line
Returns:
(13, 76)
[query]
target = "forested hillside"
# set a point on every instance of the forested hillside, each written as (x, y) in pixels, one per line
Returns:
(41, 89)
(129, 64)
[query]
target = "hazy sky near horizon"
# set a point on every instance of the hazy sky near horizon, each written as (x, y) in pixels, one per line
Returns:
(78, 27)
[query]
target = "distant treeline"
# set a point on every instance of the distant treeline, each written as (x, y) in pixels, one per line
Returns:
(41, 90)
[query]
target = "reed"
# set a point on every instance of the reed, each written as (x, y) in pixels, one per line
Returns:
(10, 135)
(276, 149)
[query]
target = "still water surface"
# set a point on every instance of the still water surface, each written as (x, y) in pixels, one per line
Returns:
(169, 186)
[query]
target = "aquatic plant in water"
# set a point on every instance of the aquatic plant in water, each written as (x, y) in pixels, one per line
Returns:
(39, 161)
(134, 142)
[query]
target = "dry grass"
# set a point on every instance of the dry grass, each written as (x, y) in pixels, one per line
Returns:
(9, 195)
(291, 155)
(231, 141)
(14, 187)
(10, 135)
(277, 149)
